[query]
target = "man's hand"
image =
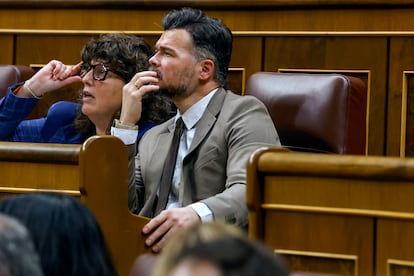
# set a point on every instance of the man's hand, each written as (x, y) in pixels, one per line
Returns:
(161, 228)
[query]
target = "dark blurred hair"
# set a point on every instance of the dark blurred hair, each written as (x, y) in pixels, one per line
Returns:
(65, 233)
(236, 256)
(18, 256)
(211, 38)
(128, 54)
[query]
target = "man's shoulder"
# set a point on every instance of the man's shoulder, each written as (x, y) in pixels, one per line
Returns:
(232, 101)
(232, 96)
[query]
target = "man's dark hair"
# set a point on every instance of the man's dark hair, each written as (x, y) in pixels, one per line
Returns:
(211, 38)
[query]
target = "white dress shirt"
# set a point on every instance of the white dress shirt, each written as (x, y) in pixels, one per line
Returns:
(190, 118)
(127, 134)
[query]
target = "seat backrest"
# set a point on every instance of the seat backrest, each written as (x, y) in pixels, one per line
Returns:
(11, 74)
(314, 112)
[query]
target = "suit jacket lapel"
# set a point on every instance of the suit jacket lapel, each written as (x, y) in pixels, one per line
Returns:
(208, 119)
(203, 127)
(165, 140)
(160, 154)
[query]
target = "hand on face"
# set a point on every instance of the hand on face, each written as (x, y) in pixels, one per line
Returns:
(53, 76)
(161, 228)
(132, 93)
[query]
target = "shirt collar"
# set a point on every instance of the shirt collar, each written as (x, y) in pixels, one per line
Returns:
(194, 113)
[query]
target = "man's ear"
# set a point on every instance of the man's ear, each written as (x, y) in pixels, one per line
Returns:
(207, 69)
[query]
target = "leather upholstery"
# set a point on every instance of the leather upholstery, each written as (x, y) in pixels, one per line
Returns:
(314, 112)
(11, 74)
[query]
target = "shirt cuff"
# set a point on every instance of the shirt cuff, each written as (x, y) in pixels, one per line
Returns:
(127, 134)
(203, 211)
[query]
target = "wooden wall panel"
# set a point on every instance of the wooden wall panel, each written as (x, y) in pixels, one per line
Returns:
(338, 53)
(248, 53)
(407, 115)
(82, 19)
(6, 46)
(276, 18)
(236, 79)
(40, 49)
(401, 59)
(394, 251)
(313, 242)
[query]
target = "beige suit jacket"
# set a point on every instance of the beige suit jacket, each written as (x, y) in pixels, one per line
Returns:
(214, 170)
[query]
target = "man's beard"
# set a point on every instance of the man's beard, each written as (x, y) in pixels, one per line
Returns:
(170, 91)
(173, 91)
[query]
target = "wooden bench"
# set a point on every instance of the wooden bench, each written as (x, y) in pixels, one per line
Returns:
(335, 214)
(96, 172)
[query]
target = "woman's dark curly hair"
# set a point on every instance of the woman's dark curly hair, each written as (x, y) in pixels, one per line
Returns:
(128, 55)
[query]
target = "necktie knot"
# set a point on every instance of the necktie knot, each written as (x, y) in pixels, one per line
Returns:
(179, 125)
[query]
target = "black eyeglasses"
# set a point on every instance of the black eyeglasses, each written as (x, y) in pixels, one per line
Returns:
(99, 70)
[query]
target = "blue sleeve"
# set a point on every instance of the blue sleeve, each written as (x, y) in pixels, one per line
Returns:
(60, 114)
(144, 128)
(13, 111)
(50, 129)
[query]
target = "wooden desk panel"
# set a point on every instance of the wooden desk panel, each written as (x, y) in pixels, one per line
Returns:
(322, 243)
(340, 211)
(394, 247)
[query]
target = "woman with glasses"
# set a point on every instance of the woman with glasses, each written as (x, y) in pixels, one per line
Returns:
(108, 65)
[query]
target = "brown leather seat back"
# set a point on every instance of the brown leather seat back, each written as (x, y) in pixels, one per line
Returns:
(11, 74)
(314, 112)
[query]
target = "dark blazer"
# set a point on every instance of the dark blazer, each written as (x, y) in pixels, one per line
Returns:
(214, 170)
(56, 127)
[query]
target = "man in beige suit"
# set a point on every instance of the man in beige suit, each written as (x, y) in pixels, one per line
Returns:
(221, 130)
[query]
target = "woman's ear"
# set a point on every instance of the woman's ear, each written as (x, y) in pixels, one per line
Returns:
(207, 69)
